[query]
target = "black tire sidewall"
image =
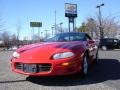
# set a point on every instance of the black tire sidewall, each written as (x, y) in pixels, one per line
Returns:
(83, 73)
(96, 57)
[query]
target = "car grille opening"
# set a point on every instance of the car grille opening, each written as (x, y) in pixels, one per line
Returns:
(30, 69)
(19, 66)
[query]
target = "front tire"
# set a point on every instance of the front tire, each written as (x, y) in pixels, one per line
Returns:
(96, 60)
(85, 66)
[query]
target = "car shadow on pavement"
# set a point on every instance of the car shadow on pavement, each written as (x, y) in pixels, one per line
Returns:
(106, 69)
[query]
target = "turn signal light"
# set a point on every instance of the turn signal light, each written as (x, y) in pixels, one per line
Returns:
(65, 64)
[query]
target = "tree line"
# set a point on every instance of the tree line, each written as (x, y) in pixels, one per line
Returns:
(110, 27)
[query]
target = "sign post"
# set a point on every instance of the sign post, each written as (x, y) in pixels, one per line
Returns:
(36, 24)
(71, 13)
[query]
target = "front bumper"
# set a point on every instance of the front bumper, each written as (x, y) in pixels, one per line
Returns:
(51, 69)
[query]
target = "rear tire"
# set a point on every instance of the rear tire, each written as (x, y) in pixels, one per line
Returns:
(104, 48)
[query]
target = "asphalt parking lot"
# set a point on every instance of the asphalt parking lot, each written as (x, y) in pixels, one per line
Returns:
(103, 76)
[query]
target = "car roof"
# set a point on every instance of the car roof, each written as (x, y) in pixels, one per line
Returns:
(73, 33)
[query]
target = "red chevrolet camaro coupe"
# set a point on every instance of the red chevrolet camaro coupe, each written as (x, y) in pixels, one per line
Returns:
(63, 54)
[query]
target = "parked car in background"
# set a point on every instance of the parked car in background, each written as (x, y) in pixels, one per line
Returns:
(63, 54)
(13, 48)
(109, 43)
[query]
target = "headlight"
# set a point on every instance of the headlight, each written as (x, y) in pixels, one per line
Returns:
(63, 55)
(16, 55)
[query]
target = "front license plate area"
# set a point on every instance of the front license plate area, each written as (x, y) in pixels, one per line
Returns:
(30, 68)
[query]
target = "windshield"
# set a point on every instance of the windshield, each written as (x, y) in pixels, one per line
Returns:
(63, 37)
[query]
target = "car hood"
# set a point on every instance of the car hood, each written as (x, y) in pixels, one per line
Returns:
(43, 52)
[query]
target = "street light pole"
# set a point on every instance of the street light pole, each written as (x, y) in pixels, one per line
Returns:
(100, 21)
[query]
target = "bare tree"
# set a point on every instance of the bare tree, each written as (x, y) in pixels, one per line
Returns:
(6, 38)
(92, 27)
(2, 26)
(110, 27)
(14, 39)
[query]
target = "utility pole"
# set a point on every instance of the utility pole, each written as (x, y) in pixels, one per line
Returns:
(55, 23)
(61, 27)
(52, 30)
(46, 33)
(100, 21)
(18, 33)
(39, 33)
